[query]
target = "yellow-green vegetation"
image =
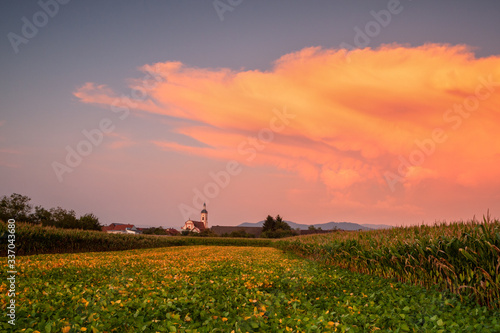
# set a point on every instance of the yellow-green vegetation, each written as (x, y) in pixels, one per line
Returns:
(463, 258)
(223, 289)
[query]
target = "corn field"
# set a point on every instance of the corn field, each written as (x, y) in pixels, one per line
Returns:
(34, 239)
(462, 257)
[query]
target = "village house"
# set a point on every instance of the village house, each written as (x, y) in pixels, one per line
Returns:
(172, 232)
(120, 228)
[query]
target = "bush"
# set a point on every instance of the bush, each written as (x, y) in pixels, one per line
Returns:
(204, 233)
(238, 234)
(279, 233)
(154, 231)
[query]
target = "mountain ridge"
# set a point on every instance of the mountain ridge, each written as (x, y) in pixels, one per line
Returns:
(325, 226)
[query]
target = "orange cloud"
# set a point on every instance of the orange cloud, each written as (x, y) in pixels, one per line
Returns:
(391, 116)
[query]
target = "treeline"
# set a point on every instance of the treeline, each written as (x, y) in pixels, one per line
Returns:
(18, 207)
(159, 231)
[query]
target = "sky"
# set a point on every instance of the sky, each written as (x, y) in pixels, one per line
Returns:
(383, 112)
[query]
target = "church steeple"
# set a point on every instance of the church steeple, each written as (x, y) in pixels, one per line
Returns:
(204, 215)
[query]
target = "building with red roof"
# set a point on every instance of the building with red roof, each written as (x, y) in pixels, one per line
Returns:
(198, 226)
(120, 228)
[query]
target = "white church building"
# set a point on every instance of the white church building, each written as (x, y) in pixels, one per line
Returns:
(198, 226)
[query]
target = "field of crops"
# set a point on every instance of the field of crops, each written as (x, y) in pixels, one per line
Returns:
(223, 289)
(463, 257)
(34, 239)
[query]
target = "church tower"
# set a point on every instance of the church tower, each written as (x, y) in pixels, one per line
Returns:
(204, 216)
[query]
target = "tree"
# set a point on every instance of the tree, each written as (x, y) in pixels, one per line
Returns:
(276, 228)
(280, 224)
(313, 228)
(89, 222)
(269, 224)
(15, 207)
(41, 216)
(62, 218)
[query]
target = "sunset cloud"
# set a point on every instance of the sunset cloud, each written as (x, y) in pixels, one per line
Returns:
(388, 120)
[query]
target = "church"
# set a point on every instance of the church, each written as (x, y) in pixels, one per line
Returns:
(198, 226)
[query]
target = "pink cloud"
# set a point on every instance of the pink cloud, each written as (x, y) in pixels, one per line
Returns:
(344, 124)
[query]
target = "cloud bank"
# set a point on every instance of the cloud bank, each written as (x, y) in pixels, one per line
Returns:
(388, 122)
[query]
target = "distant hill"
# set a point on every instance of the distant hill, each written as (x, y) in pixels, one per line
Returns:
(324, 226)
(378, 226)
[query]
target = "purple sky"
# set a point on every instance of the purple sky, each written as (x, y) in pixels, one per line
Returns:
(128, 179)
